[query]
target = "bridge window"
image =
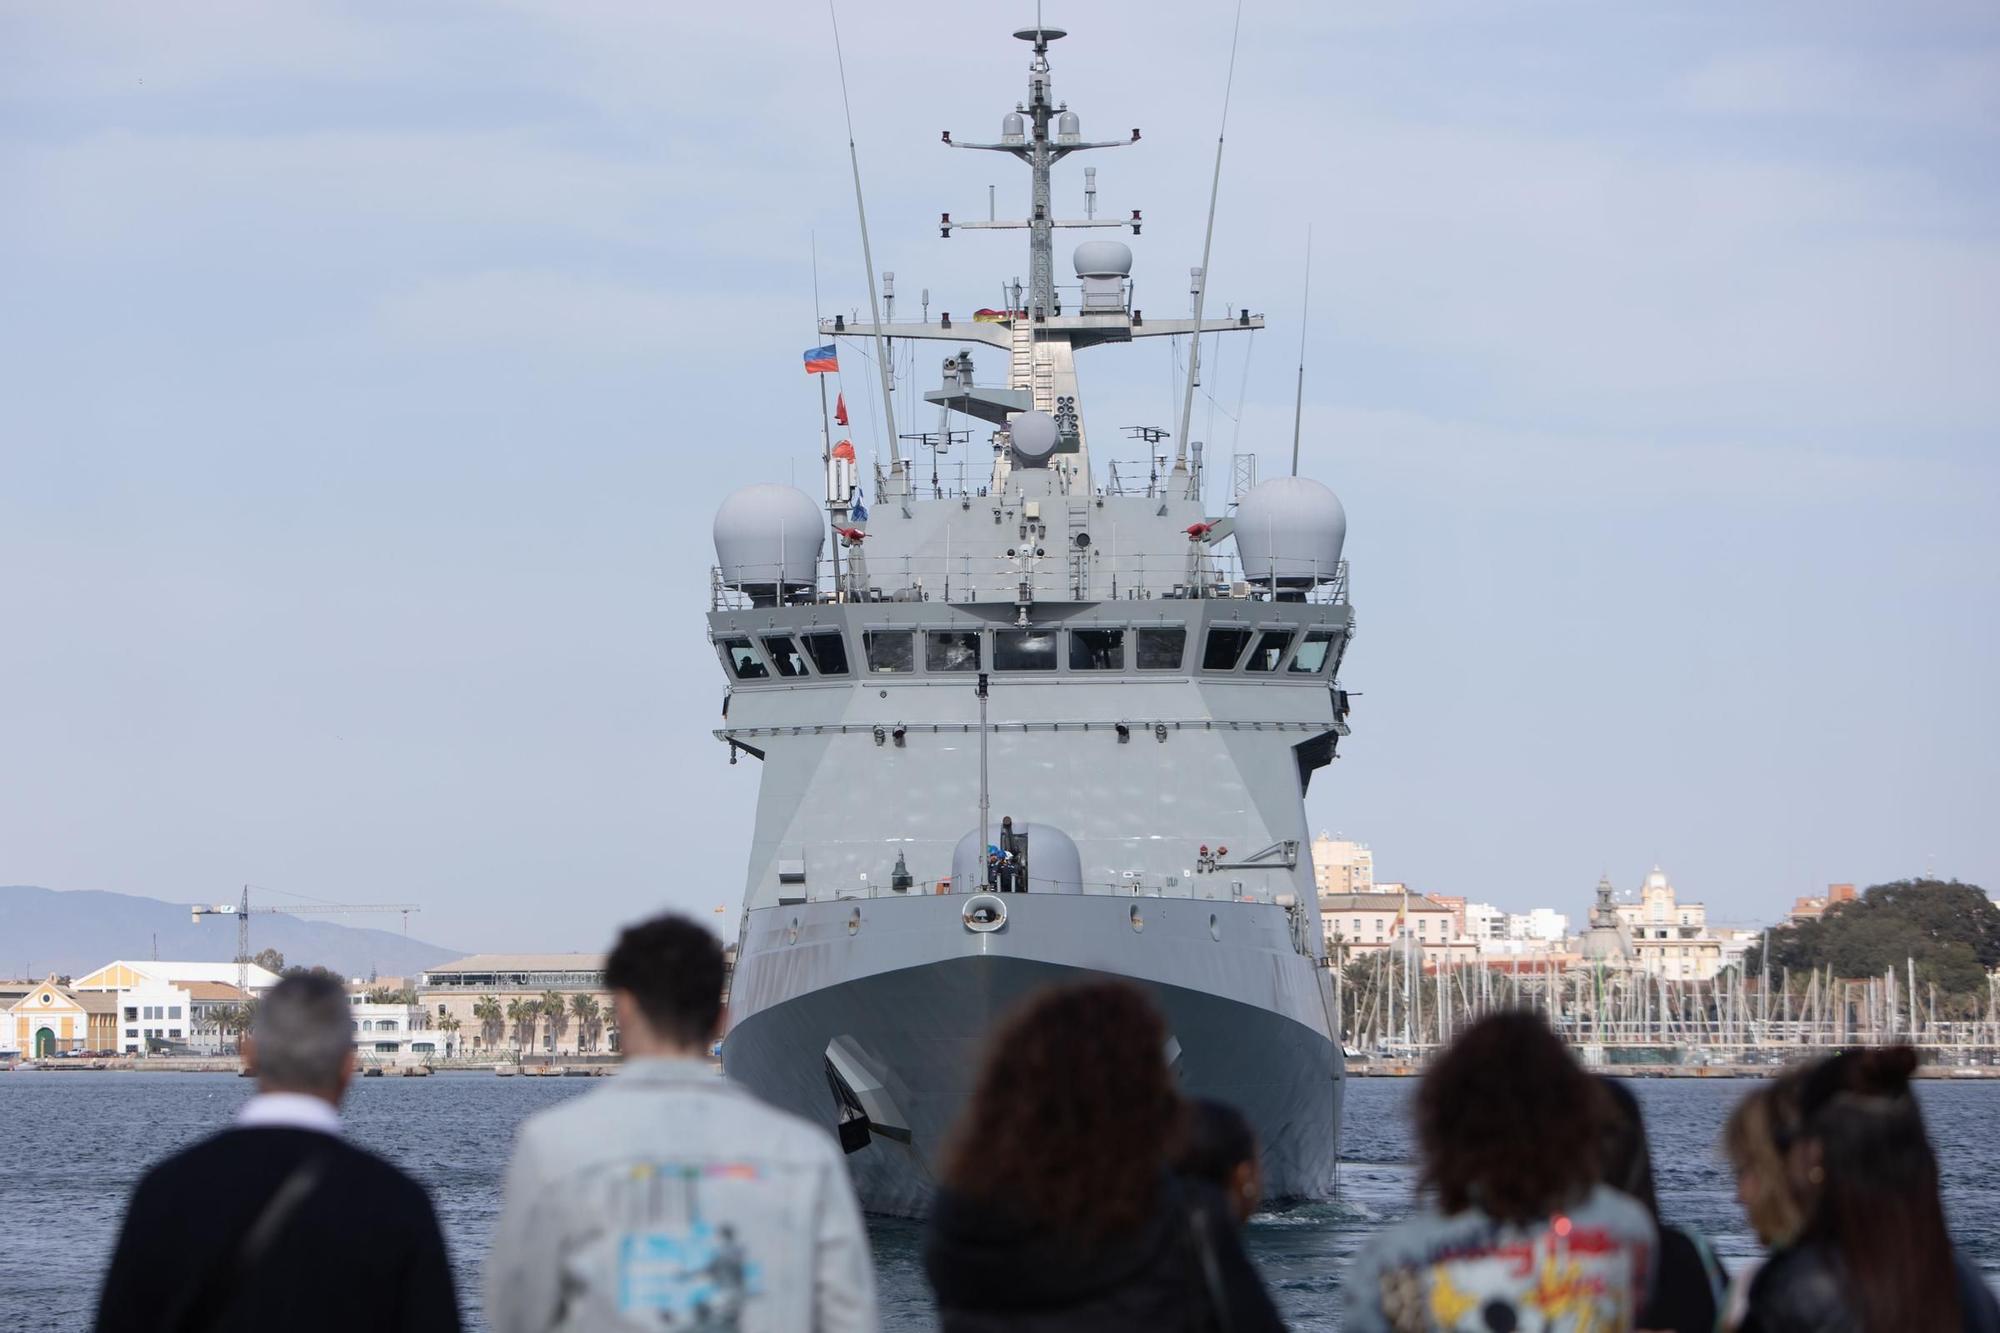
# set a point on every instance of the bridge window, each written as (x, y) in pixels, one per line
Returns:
(890, 650)
(784, 656)
(1099, 650)
(743, 659)
(828, 653)
(1312, 654)
(1161, 649)
(1024, 650)
(951, 650)
(1224, 647)
(1270, 650)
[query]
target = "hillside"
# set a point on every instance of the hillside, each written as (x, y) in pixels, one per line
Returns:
(43, 931)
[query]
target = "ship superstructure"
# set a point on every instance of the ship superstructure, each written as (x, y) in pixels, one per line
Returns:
(1140, 689)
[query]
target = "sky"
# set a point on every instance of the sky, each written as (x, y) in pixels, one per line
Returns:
(369, 376)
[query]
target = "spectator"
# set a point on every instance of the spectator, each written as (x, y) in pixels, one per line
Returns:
(1057, 1210)
(1221, 1148)
(670, 1198)
(1687, 1280)
(277, 1222)
(1874, 1255)
(1519, 1233)
(1763, 1187)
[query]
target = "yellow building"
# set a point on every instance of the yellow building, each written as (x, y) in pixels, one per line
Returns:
(52, 1020)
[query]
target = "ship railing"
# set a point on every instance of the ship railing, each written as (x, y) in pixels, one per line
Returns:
(1085, 575)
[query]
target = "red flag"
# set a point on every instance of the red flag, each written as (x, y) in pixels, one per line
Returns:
(840, 409)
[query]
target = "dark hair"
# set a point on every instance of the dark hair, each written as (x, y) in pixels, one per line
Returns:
(1625, 1158)
(1218, 1140)
(301, 1033)
(1878, 1204)
(1507, 1122)
(672, 969)
(1073, 1116)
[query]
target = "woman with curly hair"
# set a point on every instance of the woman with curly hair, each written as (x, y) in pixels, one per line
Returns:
(1518, 1233)
(1056, 1208)
(1873, 1255)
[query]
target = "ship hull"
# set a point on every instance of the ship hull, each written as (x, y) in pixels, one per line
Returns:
(897, 996)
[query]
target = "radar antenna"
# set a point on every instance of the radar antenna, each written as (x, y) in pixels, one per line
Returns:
(1207, 242)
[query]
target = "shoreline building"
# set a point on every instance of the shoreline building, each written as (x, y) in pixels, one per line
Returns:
(462, 990)
(52, 1019)
(1355, 924)
(1341, 865)
(1812, 909)
(1670, 938)
(156, 1001)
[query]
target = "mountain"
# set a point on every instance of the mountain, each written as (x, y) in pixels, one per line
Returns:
(43, 931)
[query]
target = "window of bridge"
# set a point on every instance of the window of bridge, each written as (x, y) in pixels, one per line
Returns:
(1225, 646)
(1100, 650)
(1270, 650)
(827, 651)
(890, 651)
(951, 650)
(743, 661)
(784, 655)
(1161, 649)
(1313, 653)
(1024, 650)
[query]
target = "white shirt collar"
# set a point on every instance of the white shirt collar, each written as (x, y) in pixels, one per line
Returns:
(288, 1110)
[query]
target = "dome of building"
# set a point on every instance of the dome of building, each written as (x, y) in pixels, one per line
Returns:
(1290, 530)
(1605, 941)
(768, 540)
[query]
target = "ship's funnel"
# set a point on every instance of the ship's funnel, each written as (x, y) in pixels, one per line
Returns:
(768, 540)
(1045, 852)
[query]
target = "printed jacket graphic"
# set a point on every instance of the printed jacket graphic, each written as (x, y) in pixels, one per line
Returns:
(671, 1199)
(1584, 1271)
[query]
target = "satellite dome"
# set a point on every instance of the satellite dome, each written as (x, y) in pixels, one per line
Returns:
(1068, 127)
(1103, 259)
(1012, 126)
(1289, 530)
(1034, 438)
(1050, 857)
(767, 540)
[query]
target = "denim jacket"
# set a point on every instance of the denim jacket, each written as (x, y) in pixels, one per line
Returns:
(671, 1198)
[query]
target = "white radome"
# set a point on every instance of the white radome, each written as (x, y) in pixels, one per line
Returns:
(768, 534)
(1103, 259)
(1034, 438)
(1290, 529)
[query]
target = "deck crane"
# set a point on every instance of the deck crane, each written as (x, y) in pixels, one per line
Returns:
(242, 909)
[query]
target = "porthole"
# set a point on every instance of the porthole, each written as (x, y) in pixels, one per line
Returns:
(1138, 918)
(1214, 926)
(854, 922)
(792, 932)
(984, 912)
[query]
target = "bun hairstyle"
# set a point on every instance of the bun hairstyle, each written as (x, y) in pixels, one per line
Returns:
(1861, 1141)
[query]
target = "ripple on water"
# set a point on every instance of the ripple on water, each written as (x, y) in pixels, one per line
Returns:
(77, 1141)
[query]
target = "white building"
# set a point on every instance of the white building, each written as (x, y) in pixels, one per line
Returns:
(1484, 923)
(1540, 925)
(1342, 866)
(1361, 923)
(394, 1033)
(157, 1001)
(1670, 937)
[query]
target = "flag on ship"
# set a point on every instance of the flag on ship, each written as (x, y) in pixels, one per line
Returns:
(860, 511)
(821, 360)
(840, 409)
(988, 315)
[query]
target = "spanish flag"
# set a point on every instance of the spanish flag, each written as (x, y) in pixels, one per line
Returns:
(822, 360)
(988, 315)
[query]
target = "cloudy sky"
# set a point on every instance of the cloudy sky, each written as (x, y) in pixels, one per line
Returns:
(371, 374)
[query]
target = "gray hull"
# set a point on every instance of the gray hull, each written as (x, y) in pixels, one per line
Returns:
(901, 995)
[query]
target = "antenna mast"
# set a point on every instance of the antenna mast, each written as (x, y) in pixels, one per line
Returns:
(867, 257)
(1208, 240)
(1299, 398)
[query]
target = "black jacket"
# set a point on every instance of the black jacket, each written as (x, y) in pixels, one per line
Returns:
(360, 1250)
(1804, 1290)
(1687, 1286)
(993, 1271)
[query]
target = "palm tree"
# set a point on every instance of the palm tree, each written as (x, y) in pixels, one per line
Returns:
(487, 1010)
(586, 1010)
(517, 1018)
(554, 1014)
(449, 1025)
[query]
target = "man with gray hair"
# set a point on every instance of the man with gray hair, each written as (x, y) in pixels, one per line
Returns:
(277, 1222)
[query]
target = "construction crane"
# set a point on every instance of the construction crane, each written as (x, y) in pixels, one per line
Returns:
(241, 911)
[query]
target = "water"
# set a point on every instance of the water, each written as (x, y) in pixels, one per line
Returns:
(75, 1142)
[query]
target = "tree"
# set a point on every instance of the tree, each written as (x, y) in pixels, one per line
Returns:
(554, 1014)
(392, 995)
(449, 1025)
(487, 1010)
(587, 1013)
(1950, 930)
(271, 961)
(517, 1018)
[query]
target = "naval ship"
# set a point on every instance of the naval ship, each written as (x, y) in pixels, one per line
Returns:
(1139, 688)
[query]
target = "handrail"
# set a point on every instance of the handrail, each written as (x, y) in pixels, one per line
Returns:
(1059, 576)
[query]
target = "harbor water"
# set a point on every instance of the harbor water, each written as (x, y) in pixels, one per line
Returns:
(76, 1142)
